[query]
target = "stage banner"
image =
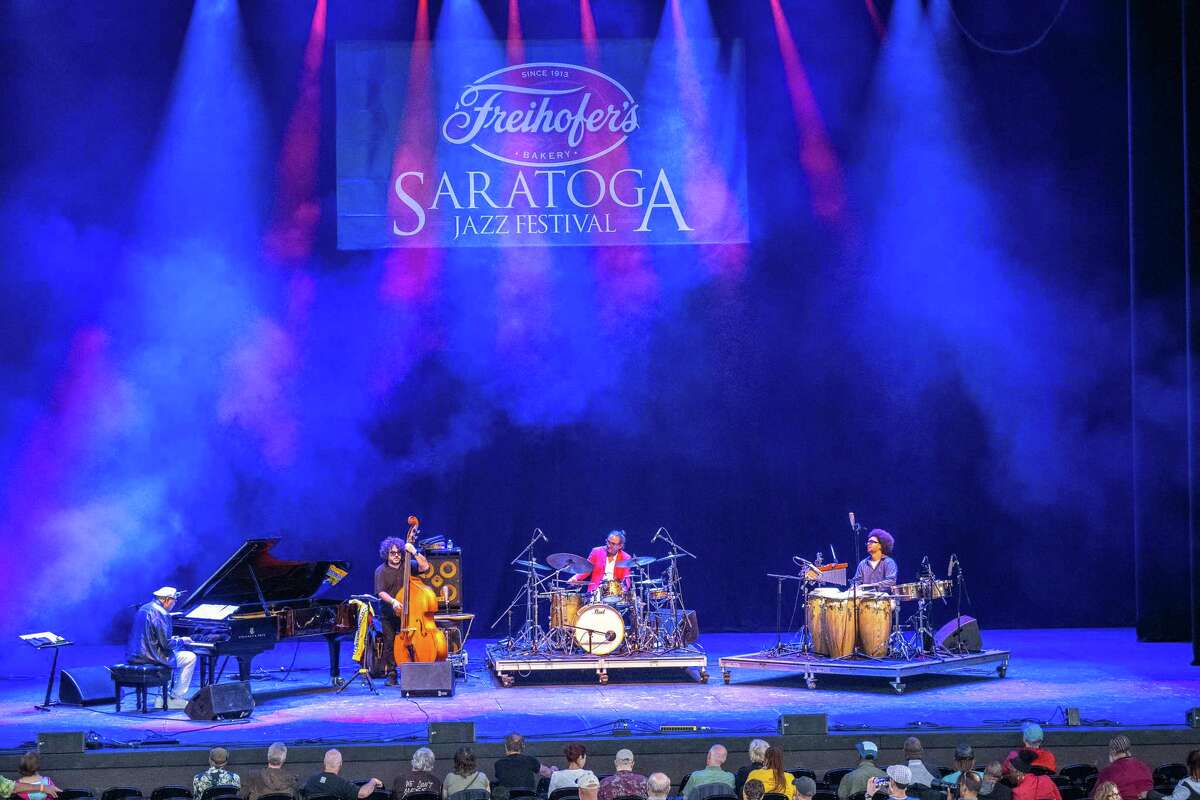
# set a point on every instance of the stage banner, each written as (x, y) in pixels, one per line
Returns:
(638, 143)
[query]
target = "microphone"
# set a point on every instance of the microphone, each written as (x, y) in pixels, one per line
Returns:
(953, 563)
(853, 522)
(538, 532)
(657, 533)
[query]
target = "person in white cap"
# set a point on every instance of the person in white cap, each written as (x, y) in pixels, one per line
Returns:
(151, 642)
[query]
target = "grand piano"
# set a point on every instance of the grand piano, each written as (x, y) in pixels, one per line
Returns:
(256, 600)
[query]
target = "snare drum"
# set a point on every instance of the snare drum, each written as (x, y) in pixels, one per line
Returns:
(564, 608)
(599, 629)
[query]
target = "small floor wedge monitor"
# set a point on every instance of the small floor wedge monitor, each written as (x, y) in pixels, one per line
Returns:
(222, 701)
(433, 679)
(960, 634)
(86, 686)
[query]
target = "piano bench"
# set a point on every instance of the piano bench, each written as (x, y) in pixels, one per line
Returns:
(141, 677)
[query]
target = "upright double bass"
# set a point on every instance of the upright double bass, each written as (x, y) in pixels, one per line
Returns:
(419, 638)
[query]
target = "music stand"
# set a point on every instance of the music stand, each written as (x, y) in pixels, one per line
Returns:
(43, 641)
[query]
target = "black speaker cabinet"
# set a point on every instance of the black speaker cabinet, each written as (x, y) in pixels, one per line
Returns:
(452, 733)
(86, 686)
(960, 634)
(60, 742)
(222, 701)
(434, 679)
(796, 724)
(446, 580)
(668, 624)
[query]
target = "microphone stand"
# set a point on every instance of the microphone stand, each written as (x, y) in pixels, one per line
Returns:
(855, 650)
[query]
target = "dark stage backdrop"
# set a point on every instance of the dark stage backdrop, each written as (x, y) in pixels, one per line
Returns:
(929, 326)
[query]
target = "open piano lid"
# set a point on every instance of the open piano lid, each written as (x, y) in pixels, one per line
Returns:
(254, 577)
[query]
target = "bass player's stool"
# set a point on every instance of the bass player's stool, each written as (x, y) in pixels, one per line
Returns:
(141, 677)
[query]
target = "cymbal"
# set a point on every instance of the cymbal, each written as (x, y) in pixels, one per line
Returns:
(655, 582)
(637, 561)
(569, 562)
(670, 557)
(531, 565)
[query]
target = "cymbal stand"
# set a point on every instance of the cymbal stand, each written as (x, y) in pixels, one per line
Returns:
(674, 585)
(805, 635)
(532, 637)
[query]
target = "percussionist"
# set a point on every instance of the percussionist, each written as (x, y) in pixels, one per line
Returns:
(878, 568)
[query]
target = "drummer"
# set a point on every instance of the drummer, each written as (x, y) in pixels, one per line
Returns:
(604, 564)
(878, 568)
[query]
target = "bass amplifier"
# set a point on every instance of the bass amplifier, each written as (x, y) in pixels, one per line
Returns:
(446, 580)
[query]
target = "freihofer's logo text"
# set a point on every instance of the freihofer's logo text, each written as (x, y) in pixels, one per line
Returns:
(540, 114)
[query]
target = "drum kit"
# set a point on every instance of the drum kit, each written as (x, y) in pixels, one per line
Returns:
(625, 617)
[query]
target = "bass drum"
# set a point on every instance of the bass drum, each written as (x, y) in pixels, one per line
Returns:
(599, 629)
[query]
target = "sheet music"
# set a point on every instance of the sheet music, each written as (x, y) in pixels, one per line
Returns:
(42, 639)
(211, 611)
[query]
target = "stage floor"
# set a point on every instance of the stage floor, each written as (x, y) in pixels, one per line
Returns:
(1106, 673)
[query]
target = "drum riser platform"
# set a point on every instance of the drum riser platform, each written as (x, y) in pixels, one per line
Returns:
(987, 662)
(508, 665)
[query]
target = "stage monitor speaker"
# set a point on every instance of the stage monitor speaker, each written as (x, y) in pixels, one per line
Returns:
(86, 686)
(446, 580)
(1073, 718)
(221, 701)
(72, 742)
(1193, 717)
(668, 623)
(432, 679)
(799, 724)
(959, 634)
(452, 732)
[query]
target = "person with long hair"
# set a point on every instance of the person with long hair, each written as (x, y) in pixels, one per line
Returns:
(1107, 791)
(774, 778)
(465, 776)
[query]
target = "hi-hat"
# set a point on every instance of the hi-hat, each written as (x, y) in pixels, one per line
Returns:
(637, 561)
(569, 562)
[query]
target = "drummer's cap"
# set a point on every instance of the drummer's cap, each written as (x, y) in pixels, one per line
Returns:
(867, 749)
(166, 591)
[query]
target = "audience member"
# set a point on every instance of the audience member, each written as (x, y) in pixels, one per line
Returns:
(9, 787)
(712, 772)
(273, 778)
(806, 787)
(658, 786)
(913, 753)
(964, 761)
(216, 774)
(1131, 776)
(589, 787)
(968, 784)
(329, 781)
(772, 775)
(466, 775)
(753, 790)
(576, 755)
(1032, 738)
(1186, 789)
(992, 787)
(758, 751)
(1106, 791)
(898, 779)
(856, 780)
(514, 769)
(419, 778)
(624, 782)
(29, 776)
(1031, 783)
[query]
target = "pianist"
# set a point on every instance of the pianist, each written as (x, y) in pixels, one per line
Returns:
(389, 584)
(151, 642)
